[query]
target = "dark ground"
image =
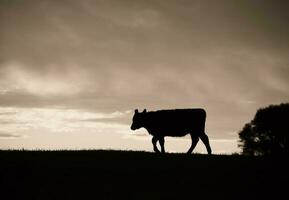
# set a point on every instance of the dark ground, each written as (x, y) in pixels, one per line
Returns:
(139, 175)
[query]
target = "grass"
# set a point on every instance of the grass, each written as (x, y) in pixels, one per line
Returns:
(99, 174)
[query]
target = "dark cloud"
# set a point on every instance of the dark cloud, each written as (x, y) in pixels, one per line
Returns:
(8, 113)
(100, 32)
(5, 135)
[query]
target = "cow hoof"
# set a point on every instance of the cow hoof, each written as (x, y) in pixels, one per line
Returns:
(157, 151)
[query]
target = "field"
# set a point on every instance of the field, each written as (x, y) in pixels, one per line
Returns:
(139, 175)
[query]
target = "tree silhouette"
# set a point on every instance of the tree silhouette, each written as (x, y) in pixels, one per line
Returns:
(268, 132)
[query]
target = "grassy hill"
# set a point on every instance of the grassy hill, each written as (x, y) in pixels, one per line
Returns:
(139, 175)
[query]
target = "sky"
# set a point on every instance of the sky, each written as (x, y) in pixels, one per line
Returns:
(72, 72)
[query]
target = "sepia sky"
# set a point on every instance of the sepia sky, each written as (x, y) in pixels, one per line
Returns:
(72, 72)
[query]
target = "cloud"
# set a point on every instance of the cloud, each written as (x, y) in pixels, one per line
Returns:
(6, 135)
(121, 118)
(59, 120)
(18, 77)
(138, 16)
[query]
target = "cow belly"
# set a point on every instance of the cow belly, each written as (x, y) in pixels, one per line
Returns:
(173, 132)
(177, 134)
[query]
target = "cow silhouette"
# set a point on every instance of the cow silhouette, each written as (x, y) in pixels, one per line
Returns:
(175, 123)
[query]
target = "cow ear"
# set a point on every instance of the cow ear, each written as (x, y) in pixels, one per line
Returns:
(144, 111)
(136, 111)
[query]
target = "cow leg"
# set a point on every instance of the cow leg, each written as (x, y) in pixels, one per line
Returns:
(195, 140)
(162, 143)
(205, 140)
(154, 141)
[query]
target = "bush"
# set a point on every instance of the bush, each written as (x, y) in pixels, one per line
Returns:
(268, 132)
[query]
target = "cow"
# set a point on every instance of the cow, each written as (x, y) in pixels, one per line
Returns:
(174, 123)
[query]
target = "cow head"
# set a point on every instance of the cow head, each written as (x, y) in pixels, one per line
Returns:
(137, 120)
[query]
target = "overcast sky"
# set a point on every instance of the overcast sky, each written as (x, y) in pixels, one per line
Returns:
(72, 72)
